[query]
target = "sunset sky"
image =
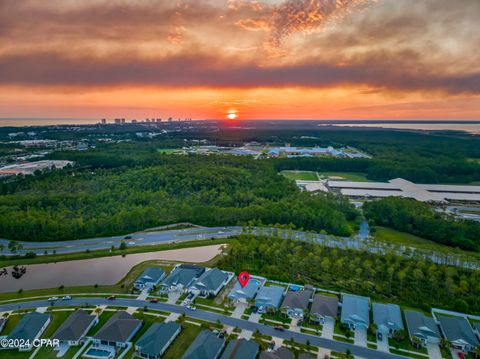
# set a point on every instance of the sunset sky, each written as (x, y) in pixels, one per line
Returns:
(265, 59)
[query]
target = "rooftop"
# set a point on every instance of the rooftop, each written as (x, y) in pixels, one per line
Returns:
(297, 299)
(280, 353)
(458, 329)
(151, 274)
(421, 326)
(387, 316)
(156, 338)
(211, 279)
(356, 309)
(270, 296)
(205, 346)
(325, 305)
(183, 275)
(241, 349)
(29, 326)
(75, 326)
(119, 328)
(248, 291)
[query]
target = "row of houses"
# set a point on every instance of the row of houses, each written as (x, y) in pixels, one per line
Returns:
(204, 282)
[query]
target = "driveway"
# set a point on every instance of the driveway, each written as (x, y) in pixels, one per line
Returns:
(328, 328)
(360, 337)
(239, 309)
(434, 351)
(382, 344)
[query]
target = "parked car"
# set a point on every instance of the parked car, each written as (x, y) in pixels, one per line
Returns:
(154, 300)
(379, 336)
(53, 299)
(279, 328)
(191, 307)
(112, 297)
(255, 309)
(67, 297)
(127, 237)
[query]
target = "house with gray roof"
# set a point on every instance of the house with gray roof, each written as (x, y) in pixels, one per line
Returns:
(149, 278)
(476, 328)
(355, 311)
(295, 304)
(210, 282)
(156, 340)
(29, 328)
(421, 327)
(280, 353)
(248, 292)
(269, 298)
(118, 331)
(388, 318)
(181, 277)
(241, 349)
(323, 306)
(459, 332)
(206, 345)
(2, 323)
(75, 328)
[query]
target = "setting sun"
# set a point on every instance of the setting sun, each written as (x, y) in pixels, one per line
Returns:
(232, 116)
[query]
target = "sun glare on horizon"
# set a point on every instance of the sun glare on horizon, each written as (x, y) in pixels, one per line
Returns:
(232, 115)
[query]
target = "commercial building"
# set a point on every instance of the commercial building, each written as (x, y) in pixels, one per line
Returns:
(156, 340)
(241, 349)
(355, 311)
(459, 332)
(387, 317)
(402, 188)
(75, 328)
(30, 328)
(206, 345)
(421, 328)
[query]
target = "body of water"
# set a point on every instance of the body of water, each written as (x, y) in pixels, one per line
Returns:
(102, 271)
(437, 126)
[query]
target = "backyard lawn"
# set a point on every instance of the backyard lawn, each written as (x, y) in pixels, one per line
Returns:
(182, 342)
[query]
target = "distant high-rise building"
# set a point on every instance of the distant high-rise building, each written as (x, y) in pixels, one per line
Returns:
(159, 120)
(169, 119)
(134, 121)
(123, 120)
(118, 121)
(104, 121)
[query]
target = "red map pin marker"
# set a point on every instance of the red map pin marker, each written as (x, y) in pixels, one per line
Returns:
(243, 278)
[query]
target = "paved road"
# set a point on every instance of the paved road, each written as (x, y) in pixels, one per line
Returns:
(214, 317)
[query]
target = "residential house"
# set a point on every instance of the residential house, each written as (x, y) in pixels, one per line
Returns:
(323, 306)
(206, 345)
(388, 318)
(210, 282)
(248, 292)
(296, 302)
(269, 298)
(75, 328)
(476, 328)
(149, 278)
(2, 323)
(156, 340)
(181, 277)
(118, 331)
(421, 327)
(459, 332)
(241, 349)
(355, 311)
(30, 328)
(280, 353)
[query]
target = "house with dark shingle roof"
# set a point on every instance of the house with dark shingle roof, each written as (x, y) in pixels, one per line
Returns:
(149, 278)
(280, 353)
(75, 328)
(118, 330)
(323, 306)
(296, 302)
(206, 345)
(181, 277)
(210, 282)
(269, 298)
(387, 317)
(30, 327)
(241, 349)
(156, 340)
(355, 311)
(459, 332)
(421, 327)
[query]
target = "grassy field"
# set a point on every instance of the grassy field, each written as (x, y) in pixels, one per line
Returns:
(348, 176)
(300, 175)
(392, 236)
(168, 151)
(12, 321)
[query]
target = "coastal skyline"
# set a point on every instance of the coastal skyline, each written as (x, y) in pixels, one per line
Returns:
(324, 59)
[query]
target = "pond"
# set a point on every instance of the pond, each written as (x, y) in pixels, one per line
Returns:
(102, 271)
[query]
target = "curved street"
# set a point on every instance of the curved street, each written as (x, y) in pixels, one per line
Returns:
(214, 317)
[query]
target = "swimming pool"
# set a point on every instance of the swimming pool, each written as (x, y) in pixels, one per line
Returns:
(98, 353)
